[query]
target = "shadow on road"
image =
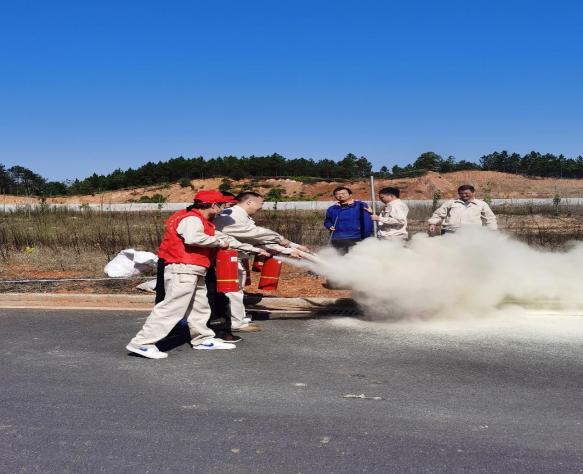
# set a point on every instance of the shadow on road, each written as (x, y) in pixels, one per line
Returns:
(178, 336)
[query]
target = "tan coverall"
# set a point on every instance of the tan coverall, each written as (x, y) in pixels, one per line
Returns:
(236, 223)
(455, 214)
(392, 223)
(185, 289)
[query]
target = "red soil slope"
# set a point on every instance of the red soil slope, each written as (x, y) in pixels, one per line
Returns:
(491, 183)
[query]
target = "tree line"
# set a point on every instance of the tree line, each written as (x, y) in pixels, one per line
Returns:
(22, 181)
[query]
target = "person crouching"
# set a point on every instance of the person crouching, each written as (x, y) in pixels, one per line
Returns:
(187, 249)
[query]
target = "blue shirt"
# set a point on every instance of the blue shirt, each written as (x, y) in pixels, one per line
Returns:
(351, 221)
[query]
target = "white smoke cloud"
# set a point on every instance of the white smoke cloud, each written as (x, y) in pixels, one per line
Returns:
(470, 273)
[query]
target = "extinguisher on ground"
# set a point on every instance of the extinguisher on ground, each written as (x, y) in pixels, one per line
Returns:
(227, 268)
(270, 274)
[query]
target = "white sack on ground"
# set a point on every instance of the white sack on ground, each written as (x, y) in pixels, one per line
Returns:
(469, 273)
(149, 286)
(131, 262)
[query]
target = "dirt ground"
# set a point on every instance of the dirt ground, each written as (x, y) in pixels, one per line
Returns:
(42, 263)
(488, 183)
(294, 282)
(38, 262)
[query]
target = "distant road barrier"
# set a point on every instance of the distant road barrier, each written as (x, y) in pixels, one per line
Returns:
(280, 206)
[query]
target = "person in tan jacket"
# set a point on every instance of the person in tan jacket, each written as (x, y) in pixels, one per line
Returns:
(463, 212)
(237, 222)
(392, 221)
(188, 248)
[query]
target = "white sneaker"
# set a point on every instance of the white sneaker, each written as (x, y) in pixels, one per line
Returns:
(213, 344)
(147, 350)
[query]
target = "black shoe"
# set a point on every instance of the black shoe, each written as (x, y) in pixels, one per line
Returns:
(229, 338)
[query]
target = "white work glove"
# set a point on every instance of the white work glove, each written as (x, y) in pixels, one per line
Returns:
(295, 254)
(262, 252)
(299, 247)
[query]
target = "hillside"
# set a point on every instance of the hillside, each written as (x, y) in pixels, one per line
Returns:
(491, 183)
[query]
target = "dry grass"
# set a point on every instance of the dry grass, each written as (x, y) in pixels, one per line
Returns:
(46, 241)
(78, 233)
(42, 262)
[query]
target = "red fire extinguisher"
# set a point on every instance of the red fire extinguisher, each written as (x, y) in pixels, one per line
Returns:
(227, 271)
(247, 268)
(270, 274)
(258, 263)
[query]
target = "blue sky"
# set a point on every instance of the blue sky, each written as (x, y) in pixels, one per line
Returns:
(93, 86)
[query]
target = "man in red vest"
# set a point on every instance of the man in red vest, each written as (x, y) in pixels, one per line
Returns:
(188, 249)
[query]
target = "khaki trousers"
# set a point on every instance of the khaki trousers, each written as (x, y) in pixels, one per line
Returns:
(397, 238)
(236, 301)
(185, 297)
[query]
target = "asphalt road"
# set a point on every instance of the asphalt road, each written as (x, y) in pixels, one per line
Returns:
(475, 396)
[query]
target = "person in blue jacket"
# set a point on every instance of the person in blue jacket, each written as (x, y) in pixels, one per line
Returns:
(349, 221)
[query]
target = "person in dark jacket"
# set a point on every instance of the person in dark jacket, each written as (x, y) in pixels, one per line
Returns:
(349, 221)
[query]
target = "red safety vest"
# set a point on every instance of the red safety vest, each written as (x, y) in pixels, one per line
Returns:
(174, 250)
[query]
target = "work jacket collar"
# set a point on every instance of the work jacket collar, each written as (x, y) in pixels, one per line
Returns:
(240, 210)
(473, 201)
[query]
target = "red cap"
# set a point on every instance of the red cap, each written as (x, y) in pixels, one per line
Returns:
(212, 196)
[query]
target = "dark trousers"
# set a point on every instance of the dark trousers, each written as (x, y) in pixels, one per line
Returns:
(344, 245)
(220, 320)
(160, 290)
